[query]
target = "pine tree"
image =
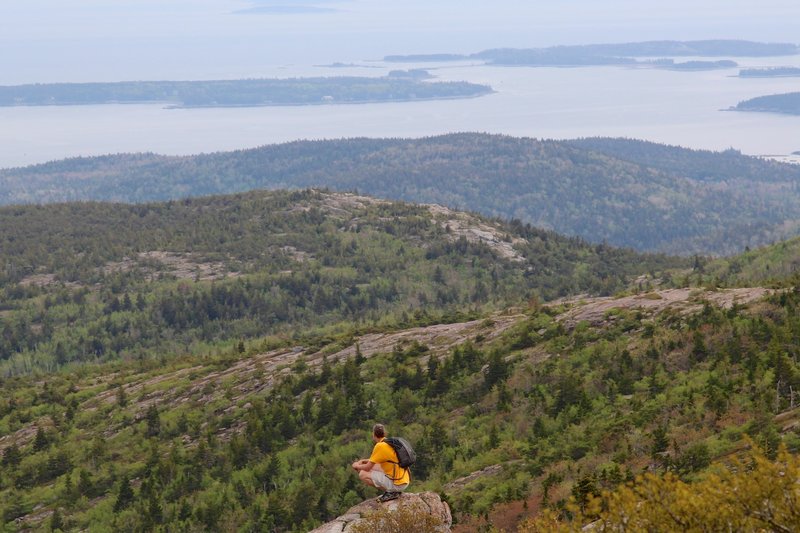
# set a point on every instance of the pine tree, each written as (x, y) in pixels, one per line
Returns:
(494, 438)
(60, 354)
(12, 456)
(85, 485)
(359, 356)
(56, 521)
(127, 305)
(153, 421)
(140, 303)
(305, 409)
(41, 441)
(124, 496)
(122, 398)
(155, 513)
(660, 441)
(504, 397)
(699, 349)
(497, 369)
(70, 494)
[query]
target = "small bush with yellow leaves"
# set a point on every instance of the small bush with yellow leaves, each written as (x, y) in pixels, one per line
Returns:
(751, 493)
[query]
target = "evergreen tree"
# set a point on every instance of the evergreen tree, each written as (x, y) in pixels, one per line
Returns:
(155, 513)
(60, 354)
(660, 441)
(70, 493)
(85, 485)
(56, 521)
(124, 495)
(40, 442)
(699, 349)
(504, 397)
(497, 369)
(494, 437)
(127, 305)
(153, 421)
(122, 398)
(12, 456)
(359, 356)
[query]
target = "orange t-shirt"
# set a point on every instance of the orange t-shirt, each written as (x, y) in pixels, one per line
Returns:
(382, 453)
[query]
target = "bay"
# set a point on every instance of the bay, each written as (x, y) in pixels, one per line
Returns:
(680, 108)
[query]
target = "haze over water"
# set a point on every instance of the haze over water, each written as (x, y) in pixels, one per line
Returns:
(94, 40)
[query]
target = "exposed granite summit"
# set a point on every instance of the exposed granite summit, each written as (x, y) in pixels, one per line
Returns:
(424, 502)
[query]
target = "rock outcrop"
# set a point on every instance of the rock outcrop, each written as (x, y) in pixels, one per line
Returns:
(423, 502)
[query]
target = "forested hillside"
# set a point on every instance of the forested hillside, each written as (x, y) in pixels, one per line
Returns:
(510, 414)
(762, 265)
(627, 193)
(91, 282)
(216, 363)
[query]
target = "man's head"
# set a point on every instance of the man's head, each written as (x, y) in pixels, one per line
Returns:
(378, 432)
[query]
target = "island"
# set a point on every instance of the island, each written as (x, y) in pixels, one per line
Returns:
(770, 72)
(398, 86)
(691, 66)
(788, 104)
(610, 54)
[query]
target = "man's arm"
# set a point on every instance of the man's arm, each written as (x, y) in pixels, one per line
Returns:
(363, 464)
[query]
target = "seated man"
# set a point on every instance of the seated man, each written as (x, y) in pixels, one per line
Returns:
(381, 469)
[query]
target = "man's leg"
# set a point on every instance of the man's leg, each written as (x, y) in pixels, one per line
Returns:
(366, 475)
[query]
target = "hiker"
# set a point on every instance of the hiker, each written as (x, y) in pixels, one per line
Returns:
(382, 470)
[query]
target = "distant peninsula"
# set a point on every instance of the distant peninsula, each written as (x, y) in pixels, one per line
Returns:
(788, 104)
(770, 72)
(398, 86)
(610, 54)
(691, 66)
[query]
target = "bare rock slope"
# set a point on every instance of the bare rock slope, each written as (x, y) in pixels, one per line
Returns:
(422, 503)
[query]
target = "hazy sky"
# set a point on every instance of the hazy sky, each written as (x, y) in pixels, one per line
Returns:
(83, 40)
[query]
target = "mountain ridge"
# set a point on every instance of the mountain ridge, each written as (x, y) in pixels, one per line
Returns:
(85, 282)
(628, 193)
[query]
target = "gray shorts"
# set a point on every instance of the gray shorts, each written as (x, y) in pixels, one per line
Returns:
(384, 482)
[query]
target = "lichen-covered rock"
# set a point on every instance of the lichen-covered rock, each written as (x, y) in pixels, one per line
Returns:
(424, 502)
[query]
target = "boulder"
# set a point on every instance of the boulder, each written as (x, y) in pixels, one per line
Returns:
(424, 502)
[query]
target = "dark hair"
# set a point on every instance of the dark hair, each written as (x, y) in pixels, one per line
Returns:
(379, 431)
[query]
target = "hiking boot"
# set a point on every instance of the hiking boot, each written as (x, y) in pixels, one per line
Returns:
(388, 496)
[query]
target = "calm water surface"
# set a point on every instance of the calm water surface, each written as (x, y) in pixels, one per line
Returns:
(681, 108)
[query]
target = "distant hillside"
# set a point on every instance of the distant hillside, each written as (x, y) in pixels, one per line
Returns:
(627, 193)
(788, 104)
(701, 166)
(87, 282)
(611, 54)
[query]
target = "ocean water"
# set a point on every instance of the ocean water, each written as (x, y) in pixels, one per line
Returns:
(680, 108)
(96, 40)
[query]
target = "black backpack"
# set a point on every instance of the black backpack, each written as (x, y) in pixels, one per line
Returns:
(405, 453)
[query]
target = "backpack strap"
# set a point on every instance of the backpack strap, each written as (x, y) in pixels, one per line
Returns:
(394, 471)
